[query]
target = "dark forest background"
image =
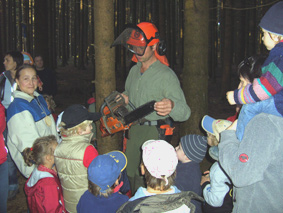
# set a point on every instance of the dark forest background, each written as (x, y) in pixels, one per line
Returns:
(63, 30)
(206, 39)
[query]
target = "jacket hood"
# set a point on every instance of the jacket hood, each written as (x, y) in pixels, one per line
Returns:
(34, 178)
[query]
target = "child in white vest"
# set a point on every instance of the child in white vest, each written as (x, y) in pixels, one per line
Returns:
(74, 154)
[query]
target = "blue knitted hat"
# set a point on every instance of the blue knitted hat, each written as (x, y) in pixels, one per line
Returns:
(194, 147)
(272, 20)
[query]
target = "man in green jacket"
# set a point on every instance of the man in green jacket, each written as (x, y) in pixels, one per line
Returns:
(150, 79)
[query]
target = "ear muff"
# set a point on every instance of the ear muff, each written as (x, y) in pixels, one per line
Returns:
(161, 46)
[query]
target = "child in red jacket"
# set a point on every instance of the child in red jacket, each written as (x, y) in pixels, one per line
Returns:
(43, 188)
(3, 163)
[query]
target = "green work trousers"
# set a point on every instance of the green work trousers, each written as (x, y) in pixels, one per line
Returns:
(138, 134)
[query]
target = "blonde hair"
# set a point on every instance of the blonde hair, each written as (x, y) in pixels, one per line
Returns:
(157, 183)
(74, 130)
(50, 101)
(96, 190)
(212, 140)
(41, 147)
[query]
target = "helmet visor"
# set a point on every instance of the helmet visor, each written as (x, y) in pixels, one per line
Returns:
(133, 39)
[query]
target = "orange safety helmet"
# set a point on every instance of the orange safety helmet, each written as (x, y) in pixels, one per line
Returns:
(150, 31)
(137, 38)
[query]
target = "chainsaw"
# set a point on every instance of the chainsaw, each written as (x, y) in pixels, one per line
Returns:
(116, 117)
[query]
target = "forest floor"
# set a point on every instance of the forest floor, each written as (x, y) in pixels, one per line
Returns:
(74, 87)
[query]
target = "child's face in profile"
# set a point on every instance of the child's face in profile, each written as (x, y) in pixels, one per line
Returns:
(181, 155)
(53, 150)
(243, 82)
(268, 39)
(49, 159)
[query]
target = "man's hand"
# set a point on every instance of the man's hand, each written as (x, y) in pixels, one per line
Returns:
(230, 97)
(126, 98)
(164, 107)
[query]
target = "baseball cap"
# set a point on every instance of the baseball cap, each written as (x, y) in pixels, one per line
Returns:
(214, 126)
(159, 157)
(76, 114)
(105, 169)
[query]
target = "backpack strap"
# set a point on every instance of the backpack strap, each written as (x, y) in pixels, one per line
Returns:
(162, 203)
(8, 75)
(5, 75)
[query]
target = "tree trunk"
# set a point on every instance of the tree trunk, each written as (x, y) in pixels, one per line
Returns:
(3, 29)
(104, 63)
(195, 72)
(227, 52)
(238, 31)
(41, 30)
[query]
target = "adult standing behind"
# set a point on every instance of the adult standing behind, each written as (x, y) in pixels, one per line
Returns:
(150, 79)
(46, 75)
(255, 164)
(28, 117)
(12, 61)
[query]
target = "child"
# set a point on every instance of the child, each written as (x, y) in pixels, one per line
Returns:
(271, 81)
(217, 190)
(190, 152)
(4, 182)
(159, 161)
(74, 154)
(27, 58)
(249, 69)
(51, 105)
(216, 184)
(213, 128)
(43, 188)
(103, 194)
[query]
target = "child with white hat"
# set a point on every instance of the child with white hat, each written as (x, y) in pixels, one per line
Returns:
(159, 161)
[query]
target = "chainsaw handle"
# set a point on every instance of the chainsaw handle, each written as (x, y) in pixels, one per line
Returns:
(102, 107)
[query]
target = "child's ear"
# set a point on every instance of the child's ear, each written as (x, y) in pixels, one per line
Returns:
(117, 182)
(47, 158)
(186, 157)
(80, 131)
(142, 169)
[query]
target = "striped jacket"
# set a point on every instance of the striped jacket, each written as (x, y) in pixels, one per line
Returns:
(269, 84)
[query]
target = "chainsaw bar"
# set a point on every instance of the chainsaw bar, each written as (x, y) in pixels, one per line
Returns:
(139, 112)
